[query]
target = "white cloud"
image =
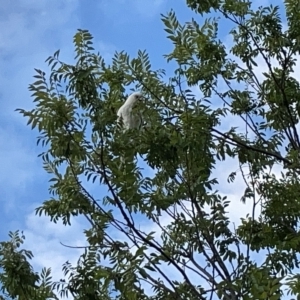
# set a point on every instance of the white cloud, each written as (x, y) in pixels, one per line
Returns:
(27, 24)
(106, 50)
(33, 31)
(148, 8)
(18, 167)
(14, 163)
(44, 239)
(128, 11)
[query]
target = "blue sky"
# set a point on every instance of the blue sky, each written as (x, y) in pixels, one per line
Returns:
(30, 32)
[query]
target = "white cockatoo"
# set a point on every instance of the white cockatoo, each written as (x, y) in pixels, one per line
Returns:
(130, 119)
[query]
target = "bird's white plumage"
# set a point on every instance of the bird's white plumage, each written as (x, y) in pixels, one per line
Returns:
(129, 118)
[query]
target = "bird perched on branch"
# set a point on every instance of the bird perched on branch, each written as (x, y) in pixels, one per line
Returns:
(130, 119)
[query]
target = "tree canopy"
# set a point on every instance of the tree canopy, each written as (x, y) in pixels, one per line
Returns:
(163, 174)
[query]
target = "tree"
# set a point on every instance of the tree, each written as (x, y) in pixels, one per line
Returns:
(195, 252)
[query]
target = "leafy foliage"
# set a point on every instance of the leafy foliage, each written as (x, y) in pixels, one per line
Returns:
(18, 280)
(194, 251)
